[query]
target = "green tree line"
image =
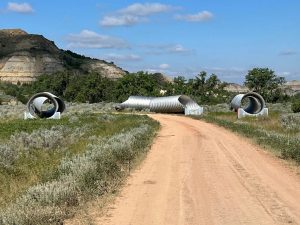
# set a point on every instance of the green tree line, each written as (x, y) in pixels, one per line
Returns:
(94, 87)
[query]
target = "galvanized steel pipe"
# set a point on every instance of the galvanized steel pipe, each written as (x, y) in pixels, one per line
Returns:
(169, 104)
(255, 105)
(136, 102)
(37, 101)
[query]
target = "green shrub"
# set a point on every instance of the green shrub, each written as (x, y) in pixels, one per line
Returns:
(296, 105)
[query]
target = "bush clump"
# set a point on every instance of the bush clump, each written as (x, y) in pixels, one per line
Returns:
(296, 106)
(290, 121)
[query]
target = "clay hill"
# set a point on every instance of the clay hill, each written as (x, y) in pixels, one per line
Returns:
(290, 87)
(25, 56)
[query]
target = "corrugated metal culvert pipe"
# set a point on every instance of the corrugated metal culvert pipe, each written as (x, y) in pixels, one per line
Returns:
(44, 105)
(252, 103)
(169, 104)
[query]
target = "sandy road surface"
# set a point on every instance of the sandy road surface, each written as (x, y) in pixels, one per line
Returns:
(197, 173)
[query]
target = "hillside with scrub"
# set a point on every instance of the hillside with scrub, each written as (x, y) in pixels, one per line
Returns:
(24, 57)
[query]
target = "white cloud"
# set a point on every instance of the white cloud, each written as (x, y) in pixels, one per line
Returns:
(167, 49)
(198, 17)
(177, 49)
(118, 57)
(288, 52)
(91, 39)
(146, 9)
(135, 13)
(164, 66)
(120, 20)
(19, 7)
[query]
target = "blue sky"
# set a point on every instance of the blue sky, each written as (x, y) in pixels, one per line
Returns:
(173, 37)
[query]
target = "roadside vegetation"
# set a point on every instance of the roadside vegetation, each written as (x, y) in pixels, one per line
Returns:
(279, 132)
(50, 167)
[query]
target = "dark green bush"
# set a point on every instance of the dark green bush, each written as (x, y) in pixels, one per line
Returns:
(296, 105)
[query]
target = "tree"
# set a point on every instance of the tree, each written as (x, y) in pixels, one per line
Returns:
(209, 90)
(179, 85)
(139, 83)
(265, 82)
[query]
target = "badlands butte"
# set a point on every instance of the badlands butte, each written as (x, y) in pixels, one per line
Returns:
(25, 56)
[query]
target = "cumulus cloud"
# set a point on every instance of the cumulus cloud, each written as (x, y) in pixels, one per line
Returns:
(135, 13)
(91, 39)
(288, 52)
(118, 57)
(177, 49)
(146, 9)
(19, 7)
(120, 20)
(164, 66)
(198, 17)
(167, 49)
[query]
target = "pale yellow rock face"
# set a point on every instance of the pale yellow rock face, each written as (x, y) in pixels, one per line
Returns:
(25, 69)
(24, 57)
(108, 70)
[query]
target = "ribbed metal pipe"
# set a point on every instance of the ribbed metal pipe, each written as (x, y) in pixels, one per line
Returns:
(169, 104)
(136, 102)
(36, 102)
(256, 102)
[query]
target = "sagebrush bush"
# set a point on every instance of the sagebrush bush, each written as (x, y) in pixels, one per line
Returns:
(280, 107)
(8, 156)
(42, 139)
(296, 105)
(217, 108)
(55, 193)
(290, 121)
(9, 111)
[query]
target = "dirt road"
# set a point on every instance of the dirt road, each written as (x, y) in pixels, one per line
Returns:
(197, 173)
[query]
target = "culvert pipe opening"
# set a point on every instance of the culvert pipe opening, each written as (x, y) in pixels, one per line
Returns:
(44, 105)
(252, 103)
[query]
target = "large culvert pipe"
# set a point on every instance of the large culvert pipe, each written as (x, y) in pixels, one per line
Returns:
(170, 104)
(251, 103)
(44, 105)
